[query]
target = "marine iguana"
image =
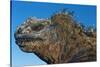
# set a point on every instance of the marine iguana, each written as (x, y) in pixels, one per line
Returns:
(57, 40)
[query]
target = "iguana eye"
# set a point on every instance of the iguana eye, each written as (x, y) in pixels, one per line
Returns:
(37, 26)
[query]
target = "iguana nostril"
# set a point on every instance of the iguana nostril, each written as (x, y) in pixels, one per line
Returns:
(19, 30)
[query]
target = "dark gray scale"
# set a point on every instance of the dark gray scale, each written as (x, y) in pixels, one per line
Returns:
(82, 56)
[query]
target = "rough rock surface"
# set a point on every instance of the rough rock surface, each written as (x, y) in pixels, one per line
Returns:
(57, 40)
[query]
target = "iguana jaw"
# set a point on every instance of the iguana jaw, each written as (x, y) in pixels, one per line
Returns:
(20, 38)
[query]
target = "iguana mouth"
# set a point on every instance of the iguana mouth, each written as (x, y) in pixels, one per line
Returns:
(22, 38)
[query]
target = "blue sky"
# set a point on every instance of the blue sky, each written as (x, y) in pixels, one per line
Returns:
(22, 10)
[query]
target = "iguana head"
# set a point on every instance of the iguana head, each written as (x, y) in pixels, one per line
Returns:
(31, 34)
(43, 37)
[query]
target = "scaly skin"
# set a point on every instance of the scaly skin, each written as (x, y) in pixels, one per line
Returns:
(57, 40)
